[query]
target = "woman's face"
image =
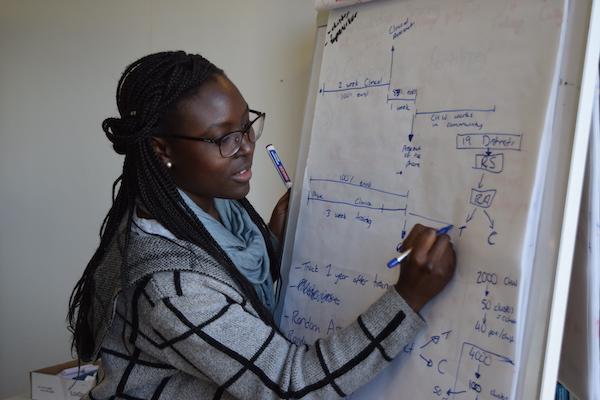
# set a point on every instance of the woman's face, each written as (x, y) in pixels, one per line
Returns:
(198, 168)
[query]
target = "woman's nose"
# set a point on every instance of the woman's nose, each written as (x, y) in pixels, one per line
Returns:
(246, 146)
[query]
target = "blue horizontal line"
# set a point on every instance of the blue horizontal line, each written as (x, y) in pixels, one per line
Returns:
(399, 99)
(490, 133)
(357, 205)
(355, 185)
(493, 109)
(484, 190)
(353, 88)
(429, 219)
(490, 148)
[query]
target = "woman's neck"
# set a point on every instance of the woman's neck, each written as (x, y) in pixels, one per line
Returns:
(206, 204)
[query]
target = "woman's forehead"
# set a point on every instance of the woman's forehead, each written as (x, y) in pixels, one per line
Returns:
(217, 104)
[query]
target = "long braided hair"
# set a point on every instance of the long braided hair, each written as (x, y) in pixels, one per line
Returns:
(149, 89)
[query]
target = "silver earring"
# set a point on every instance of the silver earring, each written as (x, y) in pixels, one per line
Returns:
(169, 164)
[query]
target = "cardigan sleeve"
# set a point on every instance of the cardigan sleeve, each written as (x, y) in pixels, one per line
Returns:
(206, 329)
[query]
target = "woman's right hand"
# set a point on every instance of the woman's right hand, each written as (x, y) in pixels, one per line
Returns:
(428, 268)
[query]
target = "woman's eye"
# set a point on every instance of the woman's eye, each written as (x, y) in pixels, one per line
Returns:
(231, 138)
(226, 139)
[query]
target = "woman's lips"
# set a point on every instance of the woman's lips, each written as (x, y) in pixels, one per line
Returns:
(243, 176)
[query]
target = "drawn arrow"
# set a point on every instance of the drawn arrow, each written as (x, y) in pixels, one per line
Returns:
(486, 289)
(403, 230)
(434, 340)
(428, 361)
(490, 219)
(449, 392)
(477, 374)
(488, 152)
(480, 184)
(470, 217)
(484, 317)
(391, 66)
(412, 125)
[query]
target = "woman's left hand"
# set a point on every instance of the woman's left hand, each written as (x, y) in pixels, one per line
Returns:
(279, 216)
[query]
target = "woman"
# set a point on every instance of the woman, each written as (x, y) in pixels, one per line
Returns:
(177, 300)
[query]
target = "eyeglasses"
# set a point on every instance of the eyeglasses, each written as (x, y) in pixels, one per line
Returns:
(230, 143)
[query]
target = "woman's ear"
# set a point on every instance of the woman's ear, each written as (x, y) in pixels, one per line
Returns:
(162, 150)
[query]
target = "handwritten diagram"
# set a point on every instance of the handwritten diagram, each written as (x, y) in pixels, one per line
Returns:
(404, 99)
(421, 122)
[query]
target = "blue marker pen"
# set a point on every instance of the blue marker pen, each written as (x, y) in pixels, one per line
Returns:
(279, 166)
(397, 260)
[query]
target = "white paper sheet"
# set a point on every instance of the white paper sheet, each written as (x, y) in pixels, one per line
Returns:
(580, 356)
(594, 267)
(418, 120)
(576, 352)
(331, 4)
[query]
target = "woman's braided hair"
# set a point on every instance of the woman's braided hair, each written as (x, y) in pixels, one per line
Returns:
(148, 91)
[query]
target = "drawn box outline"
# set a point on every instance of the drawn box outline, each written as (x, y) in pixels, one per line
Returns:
(479, 191)
(519, 137)
(498, 357)
(489, 155)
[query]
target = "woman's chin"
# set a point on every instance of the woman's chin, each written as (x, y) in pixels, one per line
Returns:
(240, 192)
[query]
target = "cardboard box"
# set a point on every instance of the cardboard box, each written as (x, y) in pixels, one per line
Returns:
(47, 384)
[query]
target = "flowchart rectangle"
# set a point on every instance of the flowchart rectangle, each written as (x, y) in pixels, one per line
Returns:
(482, 198)
(491, 141)
(493, 163)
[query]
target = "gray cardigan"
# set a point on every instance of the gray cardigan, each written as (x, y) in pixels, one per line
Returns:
(174, 325)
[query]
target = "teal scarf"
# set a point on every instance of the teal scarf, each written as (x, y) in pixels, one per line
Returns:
(242, 241)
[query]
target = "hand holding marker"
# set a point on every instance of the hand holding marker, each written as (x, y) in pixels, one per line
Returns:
(428, 269)
(397, 260)
(279, 166)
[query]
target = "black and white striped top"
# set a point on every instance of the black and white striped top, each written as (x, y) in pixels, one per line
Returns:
(184, 331)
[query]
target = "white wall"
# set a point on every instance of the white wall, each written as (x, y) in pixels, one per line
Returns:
(59, 65)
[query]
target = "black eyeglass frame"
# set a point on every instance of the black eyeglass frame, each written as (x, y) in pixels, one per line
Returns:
(244, 131)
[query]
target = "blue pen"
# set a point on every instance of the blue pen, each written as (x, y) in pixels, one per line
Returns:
(397, 260)
(279, 165)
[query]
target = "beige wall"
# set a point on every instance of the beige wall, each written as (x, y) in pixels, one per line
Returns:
(59, 64)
